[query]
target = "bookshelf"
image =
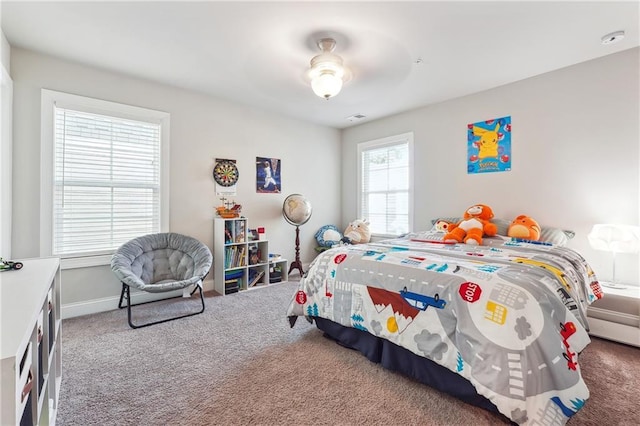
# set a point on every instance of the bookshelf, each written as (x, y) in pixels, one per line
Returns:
(240, 264)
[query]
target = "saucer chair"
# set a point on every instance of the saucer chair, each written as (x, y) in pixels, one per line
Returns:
(158, 263)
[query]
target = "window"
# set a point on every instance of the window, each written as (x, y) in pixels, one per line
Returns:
(385, 184)
(104, 176)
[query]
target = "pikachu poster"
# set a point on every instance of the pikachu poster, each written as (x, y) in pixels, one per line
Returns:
(489, 146)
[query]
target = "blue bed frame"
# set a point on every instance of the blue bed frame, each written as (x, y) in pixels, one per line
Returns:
(397, 358)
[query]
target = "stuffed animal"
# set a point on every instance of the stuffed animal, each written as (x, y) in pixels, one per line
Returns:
(524, 227)
(328, 236)
(357, 232)
(473, 226)
(442, 225)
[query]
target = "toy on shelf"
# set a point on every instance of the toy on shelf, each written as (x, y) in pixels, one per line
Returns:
(8, 265)
(229, 209)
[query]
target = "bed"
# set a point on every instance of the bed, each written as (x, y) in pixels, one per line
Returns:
(498, 325)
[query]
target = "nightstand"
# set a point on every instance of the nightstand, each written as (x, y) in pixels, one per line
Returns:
(624, 290)
(617, 315)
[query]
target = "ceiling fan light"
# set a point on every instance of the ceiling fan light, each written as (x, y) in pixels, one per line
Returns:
(326, 85)
(326, 60)
(326, 72)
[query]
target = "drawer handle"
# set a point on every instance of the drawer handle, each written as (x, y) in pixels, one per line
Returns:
(27, 386)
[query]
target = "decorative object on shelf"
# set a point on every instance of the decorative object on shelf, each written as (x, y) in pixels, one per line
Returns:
(327, 73)
(268, 175)
(615, 239)
(274, 256)
(226, 175)
(229, 209)
(254, 255)
(252, 235)
(296, 210)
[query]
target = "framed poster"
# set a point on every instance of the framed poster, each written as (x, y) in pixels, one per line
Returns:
(268, 175)
(489, 146)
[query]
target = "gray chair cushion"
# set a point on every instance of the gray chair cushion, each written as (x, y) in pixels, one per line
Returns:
(162, 262)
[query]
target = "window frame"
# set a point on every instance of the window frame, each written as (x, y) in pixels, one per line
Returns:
(50, 98)
(404, 138)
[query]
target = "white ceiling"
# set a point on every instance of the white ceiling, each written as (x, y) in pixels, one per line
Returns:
(257, 53)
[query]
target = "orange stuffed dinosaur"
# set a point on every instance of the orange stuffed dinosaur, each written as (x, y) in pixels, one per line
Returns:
(474, 224)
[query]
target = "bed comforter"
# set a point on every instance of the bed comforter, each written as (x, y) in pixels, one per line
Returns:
(510, 317)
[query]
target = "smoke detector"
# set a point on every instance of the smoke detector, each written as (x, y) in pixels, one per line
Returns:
(356, 117)
(612, 37)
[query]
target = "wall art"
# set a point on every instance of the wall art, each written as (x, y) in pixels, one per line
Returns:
(268, 175)
(489, 146)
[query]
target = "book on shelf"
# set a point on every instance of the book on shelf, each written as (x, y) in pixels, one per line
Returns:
(228, 232)
(254, 277)
(240, 231)
(230, 275)
(235, 257)
(234, 284)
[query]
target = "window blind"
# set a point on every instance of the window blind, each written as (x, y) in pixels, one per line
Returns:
(385, 188)
(106, 181)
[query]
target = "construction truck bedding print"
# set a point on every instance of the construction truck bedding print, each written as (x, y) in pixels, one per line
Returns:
(510, 317)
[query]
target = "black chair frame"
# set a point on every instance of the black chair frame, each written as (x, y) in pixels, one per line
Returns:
(126, 294)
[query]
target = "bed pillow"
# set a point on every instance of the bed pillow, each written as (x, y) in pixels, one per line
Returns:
(548, 234)
(431, 235)
(555, 236)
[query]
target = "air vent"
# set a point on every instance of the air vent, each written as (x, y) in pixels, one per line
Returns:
(356, 117)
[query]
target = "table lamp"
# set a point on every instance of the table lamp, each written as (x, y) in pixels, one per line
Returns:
(615, 239)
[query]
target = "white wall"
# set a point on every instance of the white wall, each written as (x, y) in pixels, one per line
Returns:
(203, 128)
(5, 52)
(6, 148)
(574, 148)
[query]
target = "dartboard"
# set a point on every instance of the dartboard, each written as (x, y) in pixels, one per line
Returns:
(225, 173)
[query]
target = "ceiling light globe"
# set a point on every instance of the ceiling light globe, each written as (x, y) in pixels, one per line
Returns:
(326, 85)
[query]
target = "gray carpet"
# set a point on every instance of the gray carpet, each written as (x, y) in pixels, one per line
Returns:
(239, 363)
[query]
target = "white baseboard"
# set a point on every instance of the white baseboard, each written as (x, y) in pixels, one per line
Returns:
(94, 306)
(613, 331)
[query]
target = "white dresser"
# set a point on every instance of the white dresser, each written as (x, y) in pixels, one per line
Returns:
(30, 338)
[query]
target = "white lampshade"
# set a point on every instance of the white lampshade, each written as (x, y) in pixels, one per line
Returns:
(615, 238)
(326, 85)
